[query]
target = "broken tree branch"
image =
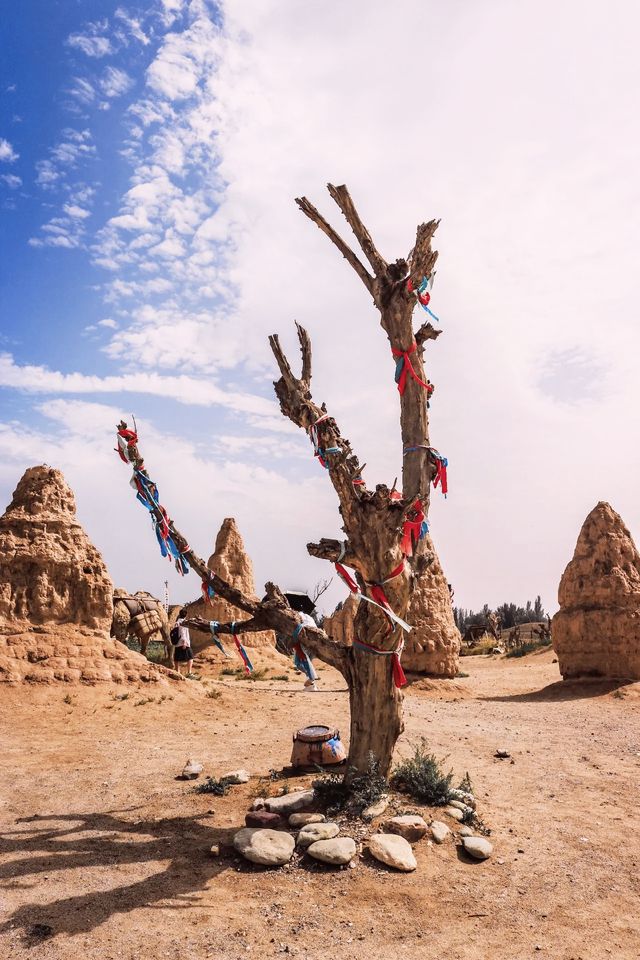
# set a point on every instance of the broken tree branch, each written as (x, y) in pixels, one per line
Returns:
(310, 211)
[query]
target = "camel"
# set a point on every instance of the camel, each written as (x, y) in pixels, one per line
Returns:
(142, 616)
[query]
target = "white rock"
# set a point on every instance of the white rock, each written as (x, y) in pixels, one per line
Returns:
(338, 851)
(237, 776)
(454, 813)
(439, 831)
(317, 831)
(466, 810)
(412, 828)
(192, 769)
(271, 848)
(392, 850)
(465, 832)
(376, 809)
(477, 847)
(302, 819)
(258, 803)
(465, 797)
(214, 850)
(290, 802)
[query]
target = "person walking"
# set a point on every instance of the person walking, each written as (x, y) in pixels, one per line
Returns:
(184, 653)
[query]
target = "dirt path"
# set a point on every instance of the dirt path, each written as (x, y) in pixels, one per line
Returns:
(100, 843)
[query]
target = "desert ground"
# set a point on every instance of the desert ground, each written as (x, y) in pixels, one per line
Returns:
(105, 854)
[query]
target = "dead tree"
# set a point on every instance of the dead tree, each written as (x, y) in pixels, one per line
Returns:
(376, 522)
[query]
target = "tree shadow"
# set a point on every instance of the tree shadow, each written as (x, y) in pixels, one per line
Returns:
(582, 689)
(82, 841)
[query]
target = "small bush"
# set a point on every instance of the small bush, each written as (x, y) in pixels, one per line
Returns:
(528, 647)
(214, 694)
(228, 671)
(218, 787)
(281, 676)
(121, 696)
(260, 674)
(362, 790)
(421, 777)
(466, 784)
(67, 699)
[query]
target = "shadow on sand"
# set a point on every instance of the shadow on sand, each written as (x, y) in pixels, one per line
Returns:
(583, 689)
(85, 840)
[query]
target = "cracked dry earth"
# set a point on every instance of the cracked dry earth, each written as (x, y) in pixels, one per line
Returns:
(104, 854)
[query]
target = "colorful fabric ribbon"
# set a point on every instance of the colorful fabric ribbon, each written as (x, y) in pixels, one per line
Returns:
(126, 440)
(413, 530)
(378, 597)
(244, 656)
(318, 451)
(404, 367)
(399, 678)
(441, 463)
(207, 590)
(213, 626)
(422, 295)
(301, 658)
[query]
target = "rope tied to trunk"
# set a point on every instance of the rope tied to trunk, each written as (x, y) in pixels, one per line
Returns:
(422, 295)
(301, 658)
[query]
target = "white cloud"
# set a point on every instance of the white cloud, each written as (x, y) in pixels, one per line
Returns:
(82, 90)
(78, 213)
(115, 82)
(92, 42)
(108, 323)
(11, 180)
(7, 153)
(133, 25)
(185, 389)
(73, 147)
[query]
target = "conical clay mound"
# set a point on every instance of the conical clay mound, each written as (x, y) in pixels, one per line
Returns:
(596, 632)
(232, 563)
(55, 593)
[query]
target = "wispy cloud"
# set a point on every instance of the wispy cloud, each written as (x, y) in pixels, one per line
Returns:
(73, 147)
(93, 40)
(11, 180)
(185, 389)
(115, 82)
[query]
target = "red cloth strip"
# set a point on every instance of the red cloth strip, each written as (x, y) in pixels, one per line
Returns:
(408, 368)
(346, 577)
(411, 530)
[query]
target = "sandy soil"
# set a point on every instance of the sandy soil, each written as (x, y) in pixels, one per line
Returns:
(104, 849)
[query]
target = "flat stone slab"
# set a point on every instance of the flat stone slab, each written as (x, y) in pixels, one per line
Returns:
(290, 802)
(477, 847)
(338, 851)
(439, 831)
(271, 848)
(237, 776)
(376, 809)
(393, 851)
(454, 813)
(314, 832)
(412, 828)
(262, 818)
(302, 819)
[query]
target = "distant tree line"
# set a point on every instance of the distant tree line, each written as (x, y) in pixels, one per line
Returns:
(509, 614)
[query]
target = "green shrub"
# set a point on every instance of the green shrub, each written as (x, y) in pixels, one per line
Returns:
(422, 778)
(218, 787)
(363, 789)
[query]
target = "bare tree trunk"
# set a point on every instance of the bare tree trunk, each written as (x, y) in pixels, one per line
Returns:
(376, 712)
(375, 521)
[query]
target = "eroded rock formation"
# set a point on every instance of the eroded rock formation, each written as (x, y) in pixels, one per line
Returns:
(232, 563)
(55, 592)
(433, 645)
(596, 632)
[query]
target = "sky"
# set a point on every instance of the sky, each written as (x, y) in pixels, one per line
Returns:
(149, 243)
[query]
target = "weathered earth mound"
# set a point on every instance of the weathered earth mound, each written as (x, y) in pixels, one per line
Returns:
(433, 646)
(55, 592)
(596, 632)
(232, 563)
